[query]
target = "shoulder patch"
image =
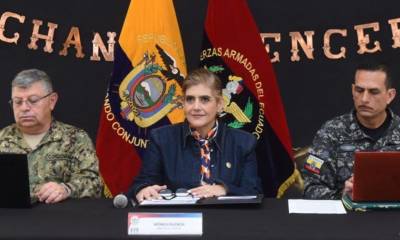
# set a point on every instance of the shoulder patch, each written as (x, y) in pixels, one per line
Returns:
(313, 164)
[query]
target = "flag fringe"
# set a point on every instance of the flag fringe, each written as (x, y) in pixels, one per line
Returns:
(106, 191)
(295, 177)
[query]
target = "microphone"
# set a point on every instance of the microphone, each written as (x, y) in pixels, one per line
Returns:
(120, 201)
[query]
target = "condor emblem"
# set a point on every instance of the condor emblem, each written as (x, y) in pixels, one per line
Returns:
(149, 92)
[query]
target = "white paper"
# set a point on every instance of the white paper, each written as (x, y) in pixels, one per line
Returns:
(316, 206)
(187, 200)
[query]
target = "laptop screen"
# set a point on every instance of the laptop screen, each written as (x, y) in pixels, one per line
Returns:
(14, 181)
(376, 176)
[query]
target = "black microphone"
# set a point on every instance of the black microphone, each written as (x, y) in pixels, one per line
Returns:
(120, 201)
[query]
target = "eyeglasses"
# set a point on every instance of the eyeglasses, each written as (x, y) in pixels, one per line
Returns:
(30, 101)
(167, 194)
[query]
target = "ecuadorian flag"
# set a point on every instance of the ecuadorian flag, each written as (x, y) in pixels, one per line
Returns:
(233, 49)
(144, 91)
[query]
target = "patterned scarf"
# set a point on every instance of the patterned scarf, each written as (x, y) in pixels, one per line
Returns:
(205, 156)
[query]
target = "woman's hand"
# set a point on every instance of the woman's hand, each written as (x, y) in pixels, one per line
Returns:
(150, 192)
(206, 191)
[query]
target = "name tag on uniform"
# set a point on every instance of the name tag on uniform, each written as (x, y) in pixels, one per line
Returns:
(145, 223)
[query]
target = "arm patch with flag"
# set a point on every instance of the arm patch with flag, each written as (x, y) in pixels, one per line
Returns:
(313, 164)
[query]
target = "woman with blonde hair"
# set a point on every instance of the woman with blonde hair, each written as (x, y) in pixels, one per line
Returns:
(201, 154)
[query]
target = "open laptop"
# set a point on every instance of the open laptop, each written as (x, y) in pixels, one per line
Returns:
(14, 181)
(376, 176)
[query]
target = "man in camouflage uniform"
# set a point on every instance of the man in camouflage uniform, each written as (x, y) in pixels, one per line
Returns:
(371, 126)
(61, 158)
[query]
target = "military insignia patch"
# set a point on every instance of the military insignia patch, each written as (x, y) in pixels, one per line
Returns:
(313, 164)
(232, 90)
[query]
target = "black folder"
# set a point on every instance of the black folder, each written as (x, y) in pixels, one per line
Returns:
(226, 200)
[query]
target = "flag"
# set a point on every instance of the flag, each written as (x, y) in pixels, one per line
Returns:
(144, 91)
(232, 48)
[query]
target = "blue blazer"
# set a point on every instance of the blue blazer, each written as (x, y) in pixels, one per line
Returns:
(173, 159)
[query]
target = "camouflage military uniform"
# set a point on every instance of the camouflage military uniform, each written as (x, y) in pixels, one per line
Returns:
(64, 155)
(330, 162)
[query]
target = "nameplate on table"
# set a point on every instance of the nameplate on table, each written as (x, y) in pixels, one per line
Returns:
(161, 224)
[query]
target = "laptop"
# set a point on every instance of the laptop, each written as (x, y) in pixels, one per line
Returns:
(376, 177)
(14, 181)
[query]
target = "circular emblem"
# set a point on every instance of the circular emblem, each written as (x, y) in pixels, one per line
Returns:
(148, 92)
